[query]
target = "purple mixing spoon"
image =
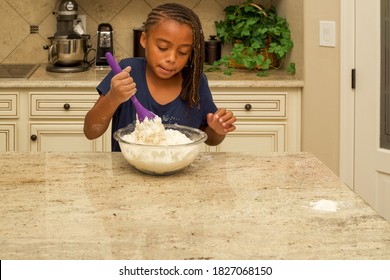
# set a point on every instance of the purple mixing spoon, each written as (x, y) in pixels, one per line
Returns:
(142, 112)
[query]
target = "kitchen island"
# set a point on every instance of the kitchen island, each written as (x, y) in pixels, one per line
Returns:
(223, 206)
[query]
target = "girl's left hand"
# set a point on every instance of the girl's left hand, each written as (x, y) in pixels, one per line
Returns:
(222, 121)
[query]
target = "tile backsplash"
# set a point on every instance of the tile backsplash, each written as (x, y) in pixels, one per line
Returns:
(17, 17)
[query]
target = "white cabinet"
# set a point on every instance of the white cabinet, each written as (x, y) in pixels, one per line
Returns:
(255, 137)
(9, 116)
(57, 121)
(52, 119)
(48, 120)
(268, 119)
(65, 136)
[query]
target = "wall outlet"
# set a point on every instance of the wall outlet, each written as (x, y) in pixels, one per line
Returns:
(328, 33)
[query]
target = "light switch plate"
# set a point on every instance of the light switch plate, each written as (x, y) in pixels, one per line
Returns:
(328, 33)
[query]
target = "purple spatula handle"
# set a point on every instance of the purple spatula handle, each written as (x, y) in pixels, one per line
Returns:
(113, 64)
(141, 111)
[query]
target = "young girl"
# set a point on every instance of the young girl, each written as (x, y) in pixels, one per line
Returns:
(169, 82)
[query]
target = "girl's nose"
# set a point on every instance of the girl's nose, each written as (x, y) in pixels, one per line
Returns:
(171, 56)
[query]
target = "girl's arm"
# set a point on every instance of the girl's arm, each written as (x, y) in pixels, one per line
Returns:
(98, 118)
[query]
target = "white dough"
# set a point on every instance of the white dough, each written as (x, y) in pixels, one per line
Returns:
(158, 153)
(153, 132)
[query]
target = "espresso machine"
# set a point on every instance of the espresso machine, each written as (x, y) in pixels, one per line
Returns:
(68, 48)
(105, 43)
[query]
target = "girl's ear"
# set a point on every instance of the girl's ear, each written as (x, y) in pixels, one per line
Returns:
(143, 40)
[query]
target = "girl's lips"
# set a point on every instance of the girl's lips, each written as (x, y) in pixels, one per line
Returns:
(166, 68)
(166, 71)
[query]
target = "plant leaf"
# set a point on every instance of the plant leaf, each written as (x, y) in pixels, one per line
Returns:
(262, 73)
(291, 68)
(254, 31)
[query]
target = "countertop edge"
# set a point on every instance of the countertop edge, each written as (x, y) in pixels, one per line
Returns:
(91, 79)
(253, 83)
(94, 84)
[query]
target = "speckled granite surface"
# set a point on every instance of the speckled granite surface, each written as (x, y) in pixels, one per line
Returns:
(224, 206)
(93, 76)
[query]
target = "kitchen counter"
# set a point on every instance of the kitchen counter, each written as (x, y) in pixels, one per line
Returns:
(224, 206)
(92, 77)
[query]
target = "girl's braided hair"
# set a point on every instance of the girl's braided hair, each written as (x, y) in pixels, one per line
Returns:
(193, 73)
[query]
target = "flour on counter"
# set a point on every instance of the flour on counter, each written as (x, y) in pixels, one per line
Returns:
(324, 205)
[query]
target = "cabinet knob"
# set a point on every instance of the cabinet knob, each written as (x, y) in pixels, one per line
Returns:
(34, 137)
(248, 107)
(66, 106)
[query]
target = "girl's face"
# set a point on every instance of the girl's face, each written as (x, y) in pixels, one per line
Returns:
(168, 46)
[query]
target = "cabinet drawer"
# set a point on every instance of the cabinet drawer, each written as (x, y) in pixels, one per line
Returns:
(61, 106)
(254, 106)
(9, 105)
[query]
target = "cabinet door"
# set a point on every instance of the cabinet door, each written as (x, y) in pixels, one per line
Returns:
(62, 137)
(255, 137)
(8, 110)
(7, 137)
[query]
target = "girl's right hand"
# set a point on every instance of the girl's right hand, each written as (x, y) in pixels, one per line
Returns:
(122, 86)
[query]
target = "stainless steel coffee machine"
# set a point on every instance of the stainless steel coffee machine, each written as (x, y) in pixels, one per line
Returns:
(105, 43)
(68, 48)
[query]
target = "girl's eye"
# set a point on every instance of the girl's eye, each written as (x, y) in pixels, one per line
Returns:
(184, 51)
(162, 48)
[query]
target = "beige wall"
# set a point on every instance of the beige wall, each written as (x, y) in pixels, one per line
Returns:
(321, 93)
(293, 12)
(19, 46)
(16, 16)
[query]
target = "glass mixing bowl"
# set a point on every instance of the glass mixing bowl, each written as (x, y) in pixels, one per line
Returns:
(161, 159)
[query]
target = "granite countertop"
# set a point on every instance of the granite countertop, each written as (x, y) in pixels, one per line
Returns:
(93, 76)
(224, 206)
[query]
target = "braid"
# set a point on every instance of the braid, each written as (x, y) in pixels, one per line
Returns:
(192, 75)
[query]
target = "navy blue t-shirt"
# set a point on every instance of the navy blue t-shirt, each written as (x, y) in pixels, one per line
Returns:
(175, 112)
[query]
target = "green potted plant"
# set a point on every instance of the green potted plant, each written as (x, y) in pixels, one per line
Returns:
(260, 39)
